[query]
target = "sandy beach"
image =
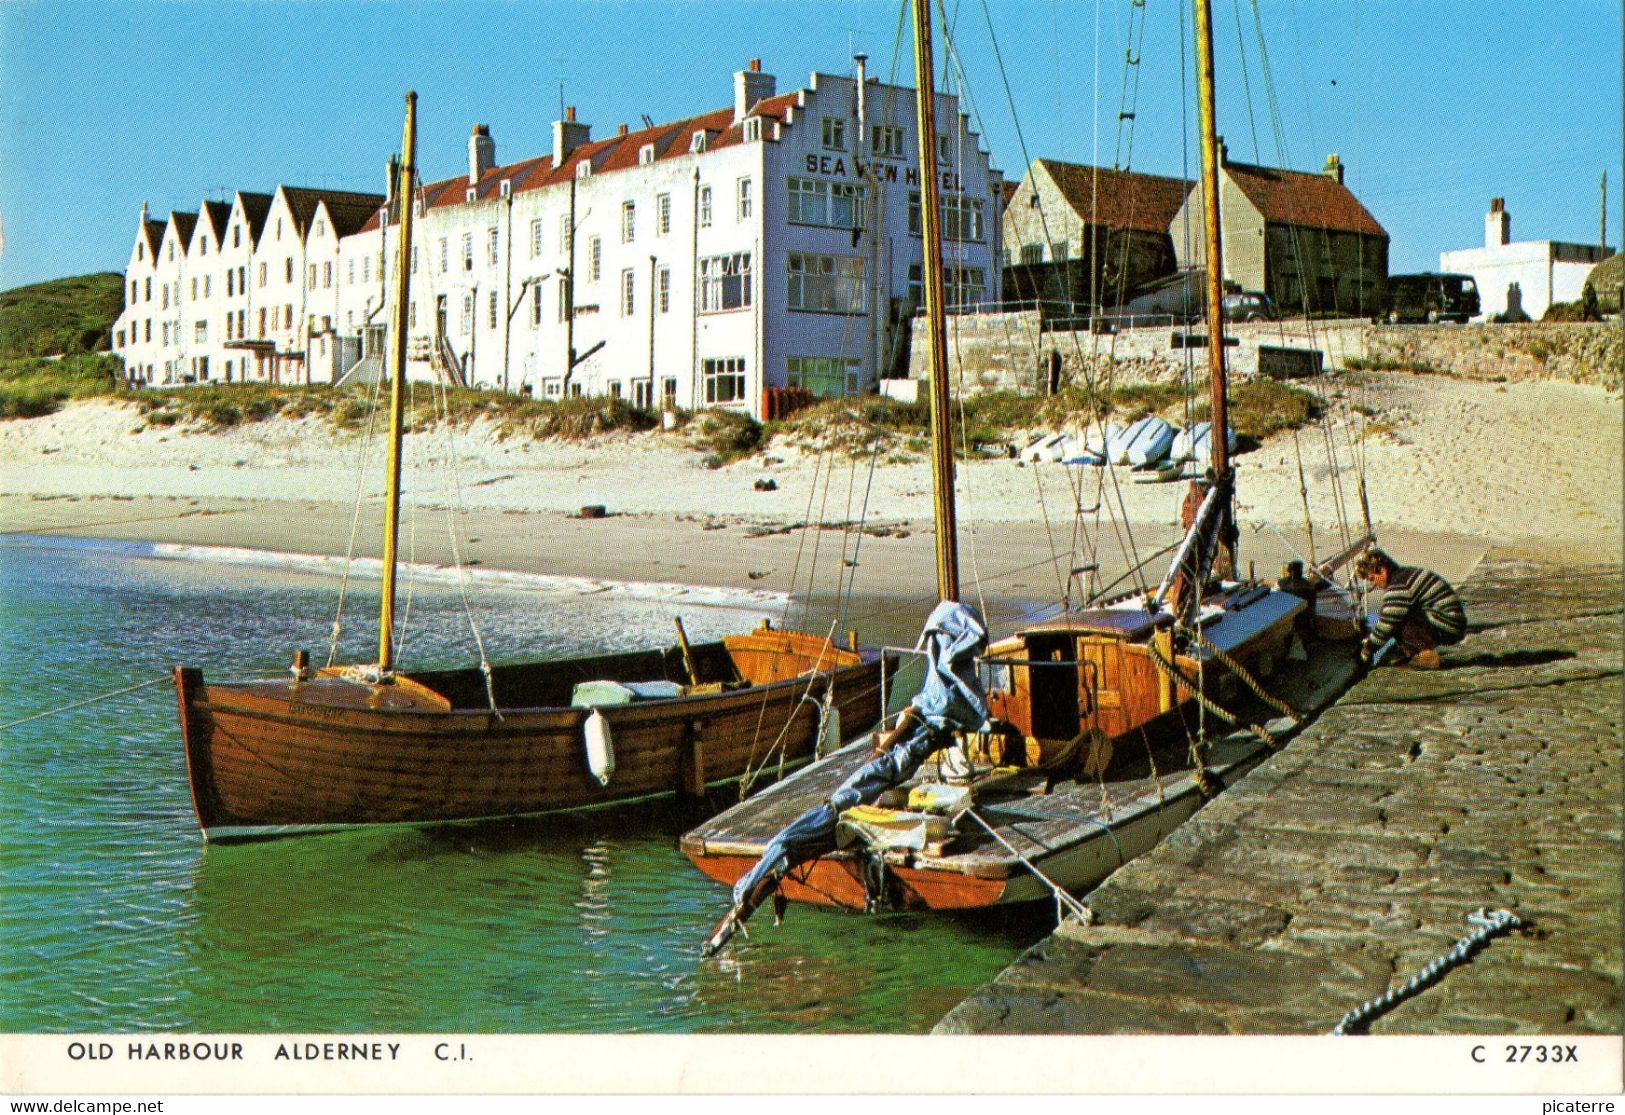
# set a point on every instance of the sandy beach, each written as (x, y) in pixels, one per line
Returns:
(1453, 467)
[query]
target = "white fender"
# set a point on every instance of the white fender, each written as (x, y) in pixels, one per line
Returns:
(600, 747)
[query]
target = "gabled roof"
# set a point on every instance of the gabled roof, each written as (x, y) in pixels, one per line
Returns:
(214, 215)
(302, 203)
(1294, 197)
(1118, 198)
(183, 223)
(348, 213)
(255, 208)
(153, 233)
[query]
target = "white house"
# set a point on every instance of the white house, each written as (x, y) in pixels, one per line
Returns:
(1519, 280)
(773, 243)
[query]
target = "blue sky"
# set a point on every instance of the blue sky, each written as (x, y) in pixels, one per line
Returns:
(1434, 108)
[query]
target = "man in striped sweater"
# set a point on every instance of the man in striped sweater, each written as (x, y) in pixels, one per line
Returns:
(1420, 612)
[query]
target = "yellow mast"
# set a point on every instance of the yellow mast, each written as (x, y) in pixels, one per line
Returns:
(406, 176)
(942, 450)
(1214, 248)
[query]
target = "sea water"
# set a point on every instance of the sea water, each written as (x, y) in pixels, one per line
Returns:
(116, 916)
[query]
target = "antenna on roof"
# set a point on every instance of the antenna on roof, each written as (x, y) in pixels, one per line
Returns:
(648, 121)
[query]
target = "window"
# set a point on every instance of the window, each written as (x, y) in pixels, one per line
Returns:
(237, 236)
(814, 201)
(743, 193)
(133, 290)
(443, 264)
(148, 330)
(663, 283)
(166, 334)
(262, 321)
(468, 312)
(287, 270)
(194, 287)
(886, 141)
(825, 284)
(1032, 253)
(206, 286)
(287, 316)
(203, 244)
(200, 331)
(321, 227)
(468, 251)
(646, 154)
(615, 389)
(961, 217)
(312, 284)
(824, 376)
(834, 134)
(641, 390)
(961, 286)
(366, 265)
(668, 392)
(163, 302)
(725, 282)
(724, 380)
(491, 246)
(349, 274)
(491, 315)
(172, 245)
(536, 238)
(242, 322)
(149, 293)
(705, 206)
(662, 214)
(629, 222)
(945, 149)
(595, 258)
(752, 129)
(536, 304)
(564, 233)
(627, 301)
(242, 279)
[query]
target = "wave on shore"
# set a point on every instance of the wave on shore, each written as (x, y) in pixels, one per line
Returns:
(372, 569)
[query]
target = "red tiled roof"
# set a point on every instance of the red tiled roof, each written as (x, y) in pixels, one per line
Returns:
(617, 152)
(1294, 197)
(1118, 198)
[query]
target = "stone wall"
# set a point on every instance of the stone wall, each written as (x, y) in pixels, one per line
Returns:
(1009, 351)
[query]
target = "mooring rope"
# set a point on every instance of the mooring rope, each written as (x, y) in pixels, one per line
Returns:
(1487, 925)
(1063, 900)
(1247, 679)
(159, 680)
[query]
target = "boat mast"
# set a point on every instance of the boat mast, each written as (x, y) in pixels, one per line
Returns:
(942, 450)
(397, 376)
(1219, 433)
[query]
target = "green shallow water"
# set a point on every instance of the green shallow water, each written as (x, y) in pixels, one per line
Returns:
(114, 915)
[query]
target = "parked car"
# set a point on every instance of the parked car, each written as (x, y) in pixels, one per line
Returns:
(1250, 305)
(1429, 297)
(1173, 299)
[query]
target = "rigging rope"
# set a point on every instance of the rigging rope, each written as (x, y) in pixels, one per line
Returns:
(1063, 900)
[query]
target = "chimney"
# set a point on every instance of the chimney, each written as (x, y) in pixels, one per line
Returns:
(1224, 151)
(144, 211)
(862, 61)
(1333, 168)
(620, 130)
(391, 180)
(482, 153)
(1497, 224)
(568, 135)
(750, 86)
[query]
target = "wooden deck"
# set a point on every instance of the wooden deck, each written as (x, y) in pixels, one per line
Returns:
(1076, 832)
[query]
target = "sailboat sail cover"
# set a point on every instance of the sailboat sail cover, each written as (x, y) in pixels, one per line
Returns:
(951, 699)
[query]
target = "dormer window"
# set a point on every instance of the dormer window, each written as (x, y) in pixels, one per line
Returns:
(753, 129)
(506, 187)
(646, 154)
(470, 194)
(696, 144)
(584, 169)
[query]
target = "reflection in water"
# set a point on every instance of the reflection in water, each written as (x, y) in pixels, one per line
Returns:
(114, 916)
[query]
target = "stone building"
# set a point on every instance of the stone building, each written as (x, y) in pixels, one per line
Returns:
(1084, 235)
(1303, 239)
(1518, 280)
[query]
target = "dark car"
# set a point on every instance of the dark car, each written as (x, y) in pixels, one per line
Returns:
(1250, 305)
(1429, 297)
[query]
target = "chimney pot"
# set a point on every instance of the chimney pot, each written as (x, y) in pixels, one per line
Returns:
(1497, 224)
(755, 65)
(620, 129)
(570, 113)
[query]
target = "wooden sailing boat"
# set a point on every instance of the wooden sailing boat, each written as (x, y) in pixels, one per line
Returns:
(1092, 714)
(340, 747)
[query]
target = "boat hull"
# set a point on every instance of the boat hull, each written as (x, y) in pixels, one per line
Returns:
(281, 757)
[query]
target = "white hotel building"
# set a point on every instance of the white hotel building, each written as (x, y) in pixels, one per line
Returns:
(771, 244)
